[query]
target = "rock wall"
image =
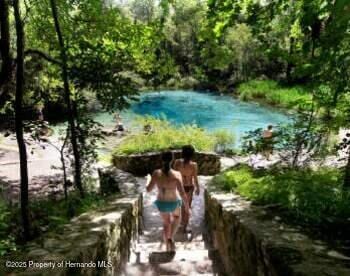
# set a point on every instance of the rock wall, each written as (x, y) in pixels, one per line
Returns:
(143, 164)
(251, 242)
(95, 243)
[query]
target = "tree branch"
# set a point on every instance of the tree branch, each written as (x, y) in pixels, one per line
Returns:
(34, 52)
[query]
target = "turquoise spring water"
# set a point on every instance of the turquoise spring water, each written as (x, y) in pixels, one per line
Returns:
(207, 110)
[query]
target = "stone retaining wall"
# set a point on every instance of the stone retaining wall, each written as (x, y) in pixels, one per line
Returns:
(101, 239)
(143, 164)
(251, 242)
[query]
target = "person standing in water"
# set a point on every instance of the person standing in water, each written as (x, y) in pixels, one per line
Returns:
(189, 173)
(169, 184)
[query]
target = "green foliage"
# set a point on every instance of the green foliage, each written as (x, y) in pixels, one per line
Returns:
(165, 136)
(309, 196)
(303, 138)
(50, 215)
(7, 239)
(297, 38)
(113, 50)
(223, 140)
(45, 215)
(272, 93)
(181, 31)
(89, 135)
(235, 55)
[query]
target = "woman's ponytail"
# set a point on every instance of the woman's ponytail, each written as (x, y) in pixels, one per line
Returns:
(167, 158)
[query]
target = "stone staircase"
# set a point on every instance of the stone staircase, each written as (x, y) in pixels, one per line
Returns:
(151, 259)
(192, 257)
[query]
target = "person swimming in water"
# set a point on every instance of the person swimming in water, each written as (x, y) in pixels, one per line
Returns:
(169, 184)
(189, 173)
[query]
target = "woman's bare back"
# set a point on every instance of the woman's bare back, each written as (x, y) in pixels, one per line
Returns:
(167, 185)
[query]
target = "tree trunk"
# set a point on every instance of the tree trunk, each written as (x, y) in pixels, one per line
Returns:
(19, 121)
(313, 49)
(346, 183)
(6, 65)
(296, 155)
(71, 117)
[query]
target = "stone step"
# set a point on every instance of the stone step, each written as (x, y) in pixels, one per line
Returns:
(178, 255)
(185, 268)
(157, 246)
(184, 263)
(146, 255)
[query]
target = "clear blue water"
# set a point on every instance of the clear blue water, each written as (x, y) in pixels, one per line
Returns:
(207, 110)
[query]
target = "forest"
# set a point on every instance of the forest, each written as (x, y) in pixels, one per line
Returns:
(63, 62)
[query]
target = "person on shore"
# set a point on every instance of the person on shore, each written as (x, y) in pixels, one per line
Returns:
(147, 128)
(189, 173)
(43, 126)
(169, 184)
(40, 114)
(119, 125)
(267, 136)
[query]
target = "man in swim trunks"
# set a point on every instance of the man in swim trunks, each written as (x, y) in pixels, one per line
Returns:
(119, 125)
(169, 182)
(267, 142)
(189, 173)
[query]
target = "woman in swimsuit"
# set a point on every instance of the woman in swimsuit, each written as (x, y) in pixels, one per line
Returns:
(168, 203)
(189, 171)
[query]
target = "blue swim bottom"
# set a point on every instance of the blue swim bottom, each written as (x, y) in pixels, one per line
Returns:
(167, 206)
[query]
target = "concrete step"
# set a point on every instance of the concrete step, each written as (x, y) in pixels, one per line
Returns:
(178, 266)
(147, 255)
(191, 235)
(158, 246)
(181, 262)
(195, 255)
(187, 267)
(138, 270)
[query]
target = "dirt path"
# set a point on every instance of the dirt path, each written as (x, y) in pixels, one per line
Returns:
(45, 175)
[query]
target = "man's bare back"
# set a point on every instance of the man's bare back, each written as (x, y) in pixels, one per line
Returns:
(189, 173)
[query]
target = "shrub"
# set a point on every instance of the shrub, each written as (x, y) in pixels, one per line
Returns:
(165, 136)
(309, 196)
(189, 82)
(45, 215)
(297, 142)
(7, 239)
(272, 93)
(50, 215)
(173, 83)
(223, 140)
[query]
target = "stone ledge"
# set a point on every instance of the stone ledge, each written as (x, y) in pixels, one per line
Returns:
(250, 243)
(143, 164)
(102, 235)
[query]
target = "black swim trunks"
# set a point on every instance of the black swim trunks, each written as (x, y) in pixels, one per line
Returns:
(189, 189)
(120, 128)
